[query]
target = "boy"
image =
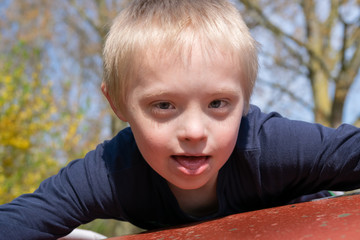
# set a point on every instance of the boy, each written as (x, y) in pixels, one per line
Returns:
(181, 73)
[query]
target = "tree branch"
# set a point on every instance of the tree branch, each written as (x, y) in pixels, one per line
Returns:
(251, 5)
(354, 63)
(287, 92)
(328, 26)
(330, 22)
(85, 17)
(357, 122)
(349, 68)
(343, 51)
(266, 23)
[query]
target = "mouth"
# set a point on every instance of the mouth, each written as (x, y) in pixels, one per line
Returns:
(191, 164)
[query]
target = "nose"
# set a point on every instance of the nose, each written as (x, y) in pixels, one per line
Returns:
(193, 127)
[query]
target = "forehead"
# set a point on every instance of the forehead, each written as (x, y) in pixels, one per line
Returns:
(189, 56)
(195, 69)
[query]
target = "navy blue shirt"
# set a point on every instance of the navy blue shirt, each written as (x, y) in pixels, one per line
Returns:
(275, 161)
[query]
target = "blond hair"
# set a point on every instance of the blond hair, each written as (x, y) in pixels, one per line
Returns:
(171, 27)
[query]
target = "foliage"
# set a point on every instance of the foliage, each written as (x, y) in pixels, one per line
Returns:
(36, 130)
(29, 128)
(110, 228)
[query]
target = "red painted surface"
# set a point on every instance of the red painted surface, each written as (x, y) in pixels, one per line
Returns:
(334, 218)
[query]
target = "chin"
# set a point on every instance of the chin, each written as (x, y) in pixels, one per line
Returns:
(188, 186)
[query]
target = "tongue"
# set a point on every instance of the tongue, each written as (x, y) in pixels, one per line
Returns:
(191, 163)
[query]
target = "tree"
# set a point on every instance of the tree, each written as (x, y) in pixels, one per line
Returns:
(85, 24)
(69, 35)
(91, 21)
(31, 130)
(313, 41)
(71, 51)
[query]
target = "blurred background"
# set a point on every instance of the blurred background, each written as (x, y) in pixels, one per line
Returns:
(52, 110)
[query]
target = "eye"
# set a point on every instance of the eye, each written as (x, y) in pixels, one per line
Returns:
(163, 105)
(162, 109)
(217, 104)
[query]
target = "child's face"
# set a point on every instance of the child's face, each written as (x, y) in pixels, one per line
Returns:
(185, 119)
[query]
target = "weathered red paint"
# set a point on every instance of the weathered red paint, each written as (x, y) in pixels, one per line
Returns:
(334, 218)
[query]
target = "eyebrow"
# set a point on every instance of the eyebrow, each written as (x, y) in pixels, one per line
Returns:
(159, 93)
(225, 91)
(165, 93)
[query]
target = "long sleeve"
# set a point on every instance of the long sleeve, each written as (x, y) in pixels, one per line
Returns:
(277, 161)
(298, 158)
(78, 194)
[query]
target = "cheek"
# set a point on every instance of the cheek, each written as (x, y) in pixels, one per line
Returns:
(154, 147)
(227, 134)
(150, 140)
(227, 139)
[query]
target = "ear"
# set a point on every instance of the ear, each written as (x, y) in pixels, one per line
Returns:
(116, 111)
